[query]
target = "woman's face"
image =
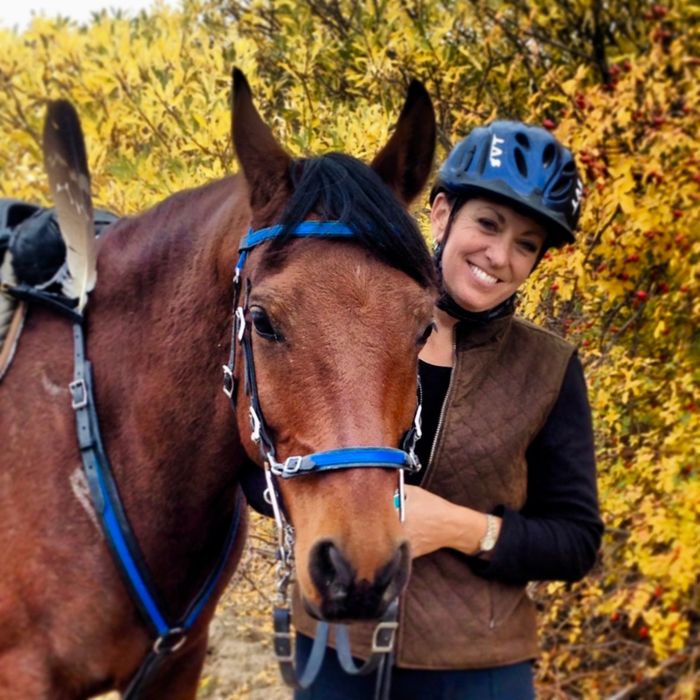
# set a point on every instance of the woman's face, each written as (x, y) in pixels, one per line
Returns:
(489, 252)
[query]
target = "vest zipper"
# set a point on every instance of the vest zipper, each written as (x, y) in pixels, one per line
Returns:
(443, 408)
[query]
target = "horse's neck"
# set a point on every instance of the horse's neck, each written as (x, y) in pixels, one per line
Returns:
(159, 332)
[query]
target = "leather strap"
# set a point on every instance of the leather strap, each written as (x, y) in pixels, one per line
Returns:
(305, 229)
(380, 660)
(169, 635)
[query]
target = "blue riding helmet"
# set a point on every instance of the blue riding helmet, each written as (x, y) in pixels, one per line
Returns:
(525, 166)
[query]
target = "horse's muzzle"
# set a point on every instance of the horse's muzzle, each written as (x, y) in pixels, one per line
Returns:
(343, 597)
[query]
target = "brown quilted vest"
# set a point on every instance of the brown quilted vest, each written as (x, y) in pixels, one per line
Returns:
(506, 377)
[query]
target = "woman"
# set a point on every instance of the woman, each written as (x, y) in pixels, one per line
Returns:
(507, 493)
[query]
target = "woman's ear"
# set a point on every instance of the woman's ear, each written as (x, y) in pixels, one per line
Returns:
(440, 217)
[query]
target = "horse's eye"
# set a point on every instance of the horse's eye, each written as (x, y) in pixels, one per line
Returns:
(423, 338)
(263, 326)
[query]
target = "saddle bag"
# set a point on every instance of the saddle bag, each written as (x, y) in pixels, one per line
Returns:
(34, 240)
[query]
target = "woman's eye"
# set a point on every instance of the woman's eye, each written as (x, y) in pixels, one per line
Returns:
(488, 224)
(423, 338)
(529, 246)
(263, 326)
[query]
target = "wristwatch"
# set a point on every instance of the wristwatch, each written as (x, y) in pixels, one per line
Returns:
(488, 541)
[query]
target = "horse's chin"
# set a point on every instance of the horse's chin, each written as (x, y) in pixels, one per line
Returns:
(357, 611)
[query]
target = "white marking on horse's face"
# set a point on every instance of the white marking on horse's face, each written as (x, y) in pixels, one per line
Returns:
(51, 387)
(81, 490)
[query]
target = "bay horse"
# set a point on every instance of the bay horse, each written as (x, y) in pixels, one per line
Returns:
(337, 325)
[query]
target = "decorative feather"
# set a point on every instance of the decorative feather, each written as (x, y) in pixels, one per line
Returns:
(66, 165)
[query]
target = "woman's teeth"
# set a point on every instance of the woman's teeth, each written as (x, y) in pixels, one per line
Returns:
(482, 275)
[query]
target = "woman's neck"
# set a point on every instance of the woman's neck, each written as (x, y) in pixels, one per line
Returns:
(439, 350)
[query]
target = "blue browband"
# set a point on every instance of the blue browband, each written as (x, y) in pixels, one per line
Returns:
(305, 229)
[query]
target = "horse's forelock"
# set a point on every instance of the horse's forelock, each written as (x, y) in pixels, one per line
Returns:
(338, 187)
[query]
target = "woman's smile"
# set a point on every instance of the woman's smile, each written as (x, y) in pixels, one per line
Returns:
(481, 275)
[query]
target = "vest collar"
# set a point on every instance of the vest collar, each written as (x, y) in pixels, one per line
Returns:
(470, 334)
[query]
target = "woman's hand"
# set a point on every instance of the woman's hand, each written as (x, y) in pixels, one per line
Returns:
(433, 522)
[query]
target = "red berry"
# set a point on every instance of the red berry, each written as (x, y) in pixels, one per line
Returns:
(644, 632)
(632, 258)
(659, 11)
(677, 213)
(663, 288)
(641, 295)
(549, 124)
(554, 286)
(615, 616)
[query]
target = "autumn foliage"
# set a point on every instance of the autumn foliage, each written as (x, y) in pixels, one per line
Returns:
(617, 81)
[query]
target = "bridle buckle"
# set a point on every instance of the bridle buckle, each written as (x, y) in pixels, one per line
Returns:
(292, 465)
(79, 394)
(383, 637)
(228, 381)
(254, 426)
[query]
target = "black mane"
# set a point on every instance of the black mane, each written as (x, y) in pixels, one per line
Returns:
(338, 187)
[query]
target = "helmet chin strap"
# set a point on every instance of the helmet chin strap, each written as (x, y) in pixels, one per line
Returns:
(450, 306)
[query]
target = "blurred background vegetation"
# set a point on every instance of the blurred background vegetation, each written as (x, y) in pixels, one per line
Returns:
(616, 80)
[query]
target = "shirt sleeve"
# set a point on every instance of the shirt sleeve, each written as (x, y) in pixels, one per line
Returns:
(556, 536)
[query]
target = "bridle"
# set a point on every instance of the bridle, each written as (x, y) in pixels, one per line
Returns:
(298, 465)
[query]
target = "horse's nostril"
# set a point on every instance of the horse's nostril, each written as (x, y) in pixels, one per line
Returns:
(390, 571)
(330, 570)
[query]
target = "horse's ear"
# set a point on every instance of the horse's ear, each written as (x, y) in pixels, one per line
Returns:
(405, 162)
(264, 162)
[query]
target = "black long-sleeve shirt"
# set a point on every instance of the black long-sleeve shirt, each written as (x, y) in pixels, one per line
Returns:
(557, 533)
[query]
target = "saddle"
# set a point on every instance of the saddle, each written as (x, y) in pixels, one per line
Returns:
(32, 267)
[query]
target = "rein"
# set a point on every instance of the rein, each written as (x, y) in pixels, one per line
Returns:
(299, 465)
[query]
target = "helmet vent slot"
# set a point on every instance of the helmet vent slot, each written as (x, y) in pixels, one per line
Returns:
(523, 140)
(561, 187)
(468, 158)
(548, 155)
(520, 162)
(569, 168)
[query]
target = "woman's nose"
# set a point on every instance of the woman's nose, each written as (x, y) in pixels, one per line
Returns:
(498, 251)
